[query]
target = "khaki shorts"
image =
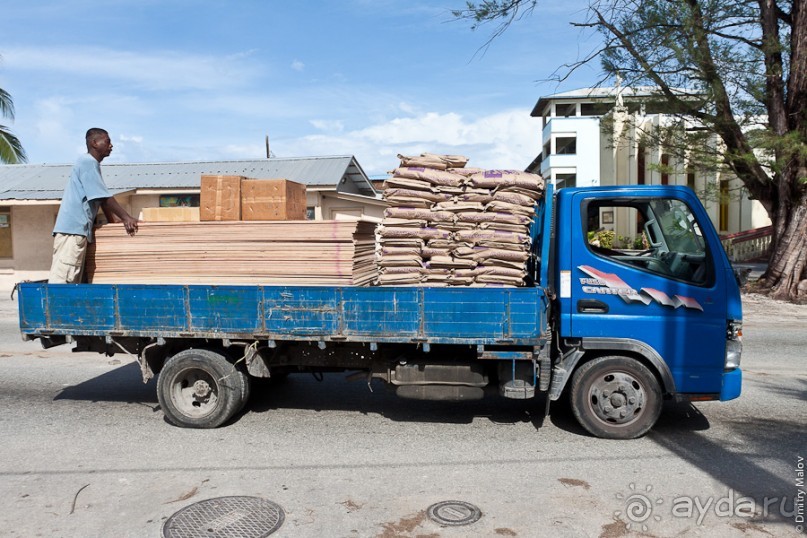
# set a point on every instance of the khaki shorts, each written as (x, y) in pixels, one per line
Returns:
(69, 252)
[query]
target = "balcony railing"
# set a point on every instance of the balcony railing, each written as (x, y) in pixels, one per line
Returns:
(748, 245)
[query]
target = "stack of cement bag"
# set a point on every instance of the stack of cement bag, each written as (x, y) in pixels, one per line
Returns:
(449, 225)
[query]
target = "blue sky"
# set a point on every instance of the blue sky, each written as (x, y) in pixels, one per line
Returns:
(176, 80)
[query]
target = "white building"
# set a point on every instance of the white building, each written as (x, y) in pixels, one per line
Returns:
(581, 149)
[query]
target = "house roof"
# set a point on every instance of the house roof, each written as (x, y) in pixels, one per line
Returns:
(605, 94)
(47, 181)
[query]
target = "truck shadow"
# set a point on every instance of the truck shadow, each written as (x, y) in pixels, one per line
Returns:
(335, 393)
(123, 384)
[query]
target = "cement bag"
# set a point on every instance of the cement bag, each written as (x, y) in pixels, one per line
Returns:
(419, 213)
(515, 198)
(395, 194)
(491, 216)
(454, 280)
(466, 172)
(518, 228)
(430, 161)
(459, 206)
(529, 193)
(483, 197)
(454, 226)
(494, 262)
(395, 279)
(400, 242)
(413, 233)
(400, 261)
(503, 207)
(478, 236)
(452, 161)
(501, 271)
(406, 183)
(400, 251)
(409, 223)
(428, 252)
(403, 271)
(440, 178)
(442, 243)
(447, 262)
(492, 179)
(482, 253)
(500, 279)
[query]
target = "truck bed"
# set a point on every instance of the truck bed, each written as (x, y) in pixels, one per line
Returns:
(474, 316)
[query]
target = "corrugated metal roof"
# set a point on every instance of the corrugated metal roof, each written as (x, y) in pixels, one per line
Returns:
(47, 181)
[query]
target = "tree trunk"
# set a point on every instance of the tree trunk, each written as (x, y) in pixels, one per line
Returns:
(788, 263)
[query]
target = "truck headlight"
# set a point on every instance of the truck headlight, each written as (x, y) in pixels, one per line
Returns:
(734, 344)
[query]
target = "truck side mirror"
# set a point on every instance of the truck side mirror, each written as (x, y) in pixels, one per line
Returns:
(741, 275)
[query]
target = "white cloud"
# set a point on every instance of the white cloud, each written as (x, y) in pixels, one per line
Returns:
(297, 65)
(162, 70)
(328, 125)
(508, 139)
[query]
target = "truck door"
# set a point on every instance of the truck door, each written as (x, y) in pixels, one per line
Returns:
(643, 276)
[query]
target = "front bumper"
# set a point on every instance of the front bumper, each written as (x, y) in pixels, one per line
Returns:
(732, 384)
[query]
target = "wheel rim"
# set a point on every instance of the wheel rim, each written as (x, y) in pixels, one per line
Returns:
(194, 392)
(617, 398)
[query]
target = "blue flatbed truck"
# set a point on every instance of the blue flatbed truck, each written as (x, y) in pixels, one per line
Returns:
(616, 329)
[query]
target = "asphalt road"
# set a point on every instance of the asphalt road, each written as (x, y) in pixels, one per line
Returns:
(85, 451)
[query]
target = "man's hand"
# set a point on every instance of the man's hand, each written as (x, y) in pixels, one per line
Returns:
(130, 224)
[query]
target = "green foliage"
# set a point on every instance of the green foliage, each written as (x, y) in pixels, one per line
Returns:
(11, 150)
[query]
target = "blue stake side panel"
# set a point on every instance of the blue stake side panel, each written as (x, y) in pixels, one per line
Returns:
(383, 314)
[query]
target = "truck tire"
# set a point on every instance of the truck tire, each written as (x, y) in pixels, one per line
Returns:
(246, 387)
(198, 388)
(615, 397)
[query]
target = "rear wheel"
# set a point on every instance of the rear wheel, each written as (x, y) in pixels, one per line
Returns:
(198, 388)
(615, 397)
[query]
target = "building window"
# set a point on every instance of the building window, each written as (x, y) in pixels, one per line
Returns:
(665, 169)
(310, 213)
(566, 110)
(566, 180)
(547, 149)
(724, 205)
(566, 145)
(594, 109)
(691, 178)
(5, 233)
(179, 200)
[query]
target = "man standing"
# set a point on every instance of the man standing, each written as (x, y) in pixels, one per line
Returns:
(84, 194)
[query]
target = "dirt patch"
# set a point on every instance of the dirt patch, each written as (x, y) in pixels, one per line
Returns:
(405, 526)
(575, 483)
(617, 529)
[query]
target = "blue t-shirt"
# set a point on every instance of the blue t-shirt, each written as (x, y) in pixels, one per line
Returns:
(83, 195)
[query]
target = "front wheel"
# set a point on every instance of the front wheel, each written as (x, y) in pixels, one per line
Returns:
(615, 397)
(198, 388)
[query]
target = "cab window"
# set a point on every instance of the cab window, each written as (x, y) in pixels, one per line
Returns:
(658, 235)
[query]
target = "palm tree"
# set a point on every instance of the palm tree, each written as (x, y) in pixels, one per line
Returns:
(11, 151)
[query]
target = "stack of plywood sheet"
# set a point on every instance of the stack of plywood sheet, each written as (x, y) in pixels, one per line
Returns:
(236, 252)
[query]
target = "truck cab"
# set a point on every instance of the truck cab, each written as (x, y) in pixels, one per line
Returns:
(647, 303)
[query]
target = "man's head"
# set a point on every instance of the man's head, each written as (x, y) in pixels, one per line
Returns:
(98, 143)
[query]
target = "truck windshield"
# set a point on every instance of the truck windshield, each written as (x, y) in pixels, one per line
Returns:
(659, 235)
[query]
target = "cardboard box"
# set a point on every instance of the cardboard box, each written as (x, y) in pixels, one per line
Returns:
(169, 214)
(220, 198)
(272, 199)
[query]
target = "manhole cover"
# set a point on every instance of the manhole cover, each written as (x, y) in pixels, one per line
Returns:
(225, 517)
(454, 513)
